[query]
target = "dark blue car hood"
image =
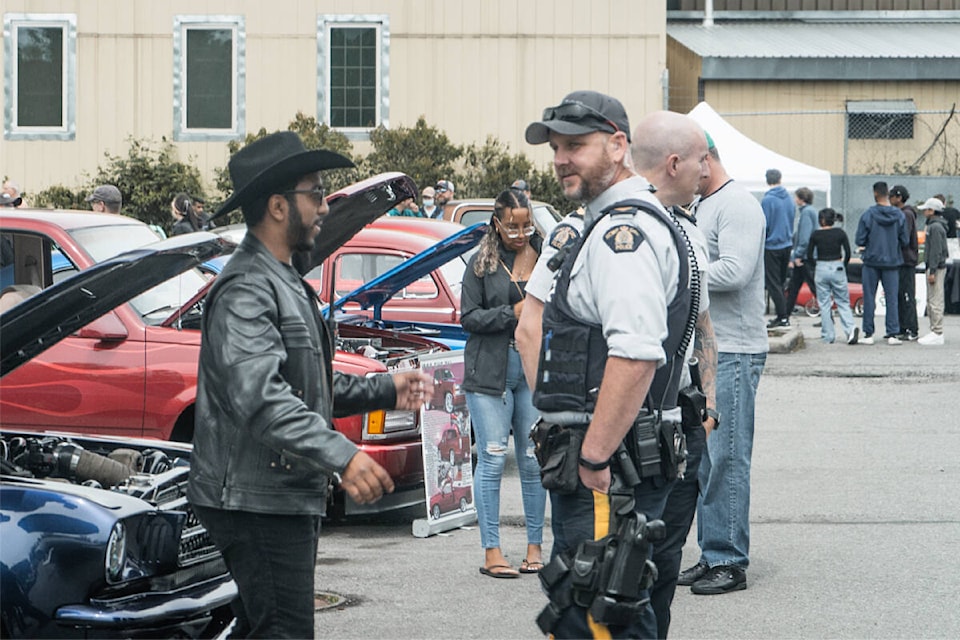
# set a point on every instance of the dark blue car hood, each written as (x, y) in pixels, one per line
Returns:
(376, 292)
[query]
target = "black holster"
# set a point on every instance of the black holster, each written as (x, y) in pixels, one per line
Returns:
(557, 449)
(606, 576)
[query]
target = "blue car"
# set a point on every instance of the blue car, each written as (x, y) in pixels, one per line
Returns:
(97, 537)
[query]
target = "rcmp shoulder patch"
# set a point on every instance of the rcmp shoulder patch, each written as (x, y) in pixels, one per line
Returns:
(563, 235)
(623, 238)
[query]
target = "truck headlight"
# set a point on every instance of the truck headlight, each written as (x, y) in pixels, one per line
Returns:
(116, 552)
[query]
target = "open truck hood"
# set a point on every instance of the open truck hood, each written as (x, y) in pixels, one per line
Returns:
(44, 319)
(378, 291)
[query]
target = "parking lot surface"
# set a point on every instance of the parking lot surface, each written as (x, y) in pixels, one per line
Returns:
(855, 518)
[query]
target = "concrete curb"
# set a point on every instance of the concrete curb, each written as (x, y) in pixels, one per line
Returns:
(785, 339)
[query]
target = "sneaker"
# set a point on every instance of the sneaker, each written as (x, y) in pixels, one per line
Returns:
(773, 324)
(721, 579)
(894, 340)
(931, 339)
(690, 575)
(854, 336)
(911, 336)
(866, 340)
(784, 322)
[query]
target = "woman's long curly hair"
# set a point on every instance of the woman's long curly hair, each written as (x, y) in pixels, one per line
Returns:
(488, 253)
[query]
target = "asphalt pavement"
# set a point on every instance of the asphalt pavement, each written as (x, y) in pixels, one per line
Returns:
(855, 519)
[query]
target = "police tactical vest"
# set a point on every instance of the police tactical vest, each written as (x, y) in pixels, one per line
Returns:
(573, 354)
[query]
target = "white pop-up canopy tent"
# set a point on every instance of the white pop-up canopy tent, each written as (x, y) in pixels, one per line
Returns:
(747, 161)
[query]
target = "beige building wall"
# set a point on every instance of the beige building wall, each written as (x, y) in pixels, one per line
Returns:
(807, 120)
(473, 68)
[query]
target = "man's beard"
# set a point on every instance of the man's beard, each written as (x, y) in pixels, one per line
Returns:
(299, 237)
(593, 181)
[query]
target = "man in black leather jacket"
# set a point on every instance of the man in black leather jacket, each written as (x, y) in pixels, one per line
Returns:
(264, 444)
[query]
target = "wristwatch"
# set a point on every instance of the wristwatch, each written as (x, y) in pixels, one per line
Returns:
(594, 466)
(713, 413)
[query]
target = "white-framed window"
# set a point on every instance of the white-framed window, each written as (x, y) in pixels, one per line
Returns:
(209, 77)
(40, 76)
(353, 71)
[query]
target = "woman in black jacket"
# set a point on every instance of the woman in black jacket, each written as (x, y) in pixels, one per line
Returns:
(497, 393)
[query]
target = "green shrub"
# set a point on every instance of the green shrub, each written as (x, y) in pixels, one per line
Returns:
(422, 152)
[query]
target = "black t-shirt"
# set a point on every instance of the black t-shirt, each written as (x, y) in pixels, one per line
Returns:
(829, 244)
(952, 216)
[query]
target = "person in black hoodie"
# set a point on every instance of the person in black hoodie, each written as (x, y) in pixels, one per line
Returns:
(497, 394)
(881, 234)
(907, 300)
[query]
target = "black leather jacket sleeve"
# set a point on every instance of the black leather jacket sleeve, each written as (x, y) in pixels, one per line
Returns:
(357, 394)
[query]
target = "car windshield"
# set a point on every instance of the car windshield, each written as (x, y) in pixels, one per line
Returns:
(158, 303)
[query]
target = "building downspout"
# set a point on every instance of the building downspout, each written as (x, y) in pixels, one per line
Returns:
(708, 13)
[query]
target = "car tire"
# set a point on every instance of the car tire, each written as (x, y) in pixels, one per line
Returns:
(448, 402)
(436, 512)
(858, 308)
(452, 457)
(463, 504)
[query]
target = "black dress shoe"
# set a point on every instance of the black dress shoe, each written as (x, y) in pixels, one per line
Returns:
(720, 579)
(692, 574)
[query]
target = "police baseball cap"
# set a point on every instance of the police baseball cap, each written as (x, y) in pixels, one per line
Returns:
(580, 112)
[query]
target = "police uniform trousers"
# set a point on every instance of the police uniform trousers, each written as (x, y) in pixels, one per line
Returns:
(585, 515)
(678, 518)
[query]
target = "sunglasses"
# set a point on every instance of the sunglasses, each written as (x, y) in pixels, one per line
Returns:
(317, 194)
(513, 232)
(574, 111)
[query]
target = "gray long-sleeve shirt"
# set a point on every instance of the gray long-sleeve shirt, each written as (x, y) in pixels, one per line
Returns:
(733, 223)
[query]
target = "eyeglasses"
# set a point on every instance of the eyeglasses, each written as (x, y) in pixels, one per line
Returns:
(513, 232)
(573, 111)
(317, 194)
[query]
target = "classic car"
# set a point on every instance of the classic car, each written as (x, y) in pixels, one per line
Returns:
(453, 446)
(808, 301)
(468, 212)
(447, 394)
(133, 372)
(98, 539)
(450, 497)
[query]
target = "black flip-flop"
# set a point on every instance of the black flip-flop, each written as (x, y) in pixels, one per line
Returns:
(488, 571)
(530, 567)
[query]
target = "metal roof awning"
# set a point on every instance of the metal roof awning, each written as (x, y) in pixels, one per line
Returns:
(881, 106)
(794, 50)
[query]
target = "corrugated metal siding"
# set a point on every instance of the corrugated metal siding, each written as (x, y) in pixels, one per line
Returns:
(472, 68)
(821, 40)
(821, 5)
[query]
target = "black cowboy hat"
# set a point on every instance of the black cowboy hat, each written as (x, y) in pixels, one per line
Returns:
(272, 162)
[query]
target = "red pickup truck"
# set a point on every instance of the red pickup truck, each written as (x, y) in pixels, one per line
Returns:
(133, 372)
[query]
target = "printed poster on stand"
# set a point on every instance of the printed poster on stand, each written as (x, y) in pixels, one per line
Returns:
(445, 433)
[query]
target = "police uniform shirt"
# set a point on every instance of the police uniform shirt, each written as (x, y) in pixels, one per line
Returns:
(566, 233)
(625, 274)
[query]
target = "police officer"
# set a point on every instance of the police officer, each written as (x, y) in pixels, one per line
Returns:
(616, 286)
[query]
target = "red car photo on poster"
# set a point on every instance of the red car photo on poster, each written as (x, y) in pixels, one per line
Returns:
(449, 498)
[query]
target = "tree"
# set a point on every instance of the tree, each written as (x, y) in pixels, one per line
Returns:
(148, 177)
(422, 152)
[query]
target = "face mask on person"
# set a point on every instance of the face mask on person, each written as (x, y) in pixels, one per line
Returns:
(428, 202)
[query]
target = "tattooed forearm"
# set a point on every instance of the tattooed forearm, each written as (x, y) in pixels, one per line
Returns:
(705, 351)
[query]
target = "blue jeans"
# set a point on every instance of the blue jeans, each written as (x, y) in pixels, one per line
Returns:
(272, 559)
(832, 287)
(891, 291)
(723, 511)
(492, 418)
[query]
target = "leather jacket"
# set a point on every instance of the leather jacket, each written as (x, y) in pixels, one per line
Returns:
(264, 440)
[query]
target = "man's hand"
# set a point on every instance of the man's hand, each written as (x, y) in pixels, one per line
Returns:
(595, 480)
(932, 278)
(709, 425)
(364, 480)
(412, 387)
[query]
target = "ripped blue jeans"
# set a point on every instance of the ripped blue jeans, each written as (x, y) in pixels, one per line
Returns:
(492, 418)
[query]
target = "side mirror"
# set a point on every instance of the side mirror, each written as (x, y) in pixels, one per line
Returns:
(107, 328)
